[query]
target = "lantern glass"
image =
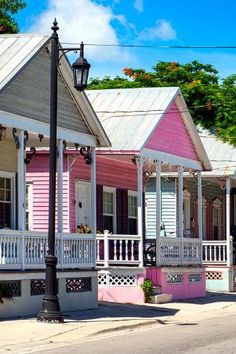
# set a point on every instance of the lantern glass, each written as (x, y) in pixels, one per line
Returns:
(80, 72)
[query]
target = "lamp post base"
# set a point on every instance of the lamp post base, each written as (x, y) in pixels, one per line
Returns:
(50, 310)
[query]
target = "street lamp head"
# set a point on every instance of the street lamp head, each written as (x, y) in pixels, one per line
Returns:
(81, 71)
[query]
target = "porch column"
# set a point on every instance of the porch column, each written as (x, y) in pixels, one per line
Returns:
(60, 200)
(158, 213)
(60, 187)
(139, 161)
(180, 210)
(228, 187)
(200, 226)
(93, 200)
(21, 193)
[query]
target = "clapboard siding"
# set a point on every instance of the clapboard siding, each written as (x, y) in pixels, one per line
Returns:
(8, 149)
(110, 173)
(171, 136)
(37, 173)
(29, 96)
(168, 207)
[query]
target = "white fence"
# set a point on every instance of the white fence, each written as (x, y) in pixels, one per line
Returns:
(118, 250)
(28, 250)
(215, 252)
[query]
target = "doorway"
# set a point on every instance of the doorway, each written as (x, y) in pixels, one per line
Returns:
(83, 203)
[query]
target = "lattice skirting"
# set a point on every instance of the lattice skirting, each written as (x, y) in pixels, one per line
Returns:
(116, 279)
(214, 275)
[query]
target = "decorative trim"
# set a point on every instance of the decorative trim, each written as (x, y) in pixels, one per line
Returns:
(30, 155)
(86, 153)
(78, 285)
(16, 138)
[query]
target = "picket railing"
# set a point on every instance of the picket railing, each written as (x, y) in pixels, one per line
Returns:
(215, 252)
(28, 250)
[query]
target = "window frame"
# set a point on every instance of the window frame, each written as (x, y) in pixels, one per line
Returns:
(30, 205)
(111, 190)
(12, 177)
(133, 194)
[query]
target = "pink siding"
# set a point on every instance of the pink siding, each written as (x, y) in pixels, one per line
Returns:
(38, 174)
(184, 290)
(171, 136)
(110, 173)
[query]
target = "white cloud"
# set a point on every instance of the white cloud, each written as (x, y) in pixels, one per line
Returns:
(163, 30)
(85, 21)
(138, 5)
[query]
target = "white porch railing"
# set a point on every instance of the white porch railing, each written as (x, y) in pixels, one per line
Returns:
(118, 250)
(215, 252)
(28, 250)
(123, 250)
(177, 251)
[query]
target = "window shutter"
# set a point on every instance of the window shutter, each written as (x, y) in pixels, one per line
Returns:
(122, 211)
(195, 230)
(99, 208)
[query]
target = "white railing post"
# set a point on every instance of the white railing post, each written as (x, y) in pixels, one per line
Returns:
(21, 193)
(158, 213)
(228, 187)
(139, 161)
(199, 185)
(60, 200)
(106, 249)
(180, 210)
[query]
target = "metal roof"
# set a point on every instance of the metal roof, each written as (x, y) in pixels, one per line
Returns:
(15, 52)
(221, 155)
(130, 115)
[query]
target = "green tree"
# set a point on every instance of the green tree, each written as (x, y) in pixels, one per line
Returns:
(8, 8)
(211, 104)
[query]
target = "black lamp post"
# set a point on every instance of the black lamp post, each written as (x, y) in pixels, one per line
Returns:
(50, 311)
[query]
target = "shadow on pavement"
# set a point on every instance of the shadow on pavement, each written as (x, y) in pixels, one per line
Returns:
(211, 298)
(119, 312)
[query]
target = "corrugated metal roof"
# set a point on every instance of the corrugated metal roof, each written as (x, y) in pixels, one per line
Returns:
(15, 52)
(130, 115)
(222, 156)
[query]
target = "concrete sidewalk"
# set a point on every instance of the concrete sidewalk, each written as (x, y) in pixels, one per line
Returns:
(25, 335)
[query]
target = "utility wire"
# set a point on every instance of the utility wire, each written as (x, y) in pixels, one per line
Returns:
(154, 46)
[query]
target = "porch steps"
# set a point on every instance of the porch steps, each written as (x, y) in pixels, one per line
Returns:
(161, 299)
(157, 290)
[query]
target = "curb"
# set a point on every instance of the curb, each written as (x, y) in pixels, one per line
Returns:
(125, 327)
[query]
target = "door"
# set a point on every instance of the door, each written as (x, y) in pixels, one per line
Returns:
(83, 204)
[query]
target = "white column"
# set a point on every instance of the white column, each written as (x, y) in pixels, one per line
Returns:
(93, 201)
(158, 213)
(228, 187)
(139, 161)
(60, 199)
(60, 187)
(21, 193)
(200, 217)
(180, 210)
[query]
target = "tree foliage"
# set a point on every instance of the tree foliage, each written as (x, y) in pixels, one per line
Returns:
(8, 8)
(211, 104)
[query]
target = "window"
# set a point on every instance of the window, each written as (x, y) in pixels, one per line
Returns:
(109, 209)
(6, 200)
(217, 208)
(28, 206)
(132, 213)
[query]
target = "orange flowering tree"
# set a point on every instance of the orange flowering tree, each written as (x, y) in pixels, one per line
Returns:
(212, 103)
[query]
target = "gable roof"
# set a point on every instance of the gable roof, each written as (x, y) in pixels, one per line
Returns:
(130, 116)
(17, 51)
(222, 156)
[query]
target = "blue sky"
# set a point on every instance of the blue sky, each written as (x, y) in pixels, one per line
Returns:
(139, 22)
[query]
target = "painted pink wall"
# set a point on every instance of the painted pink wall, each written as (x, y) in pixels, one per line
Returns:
(123, 294)
(37, 173)
(171, 136)
(184, 290)
(110, 173)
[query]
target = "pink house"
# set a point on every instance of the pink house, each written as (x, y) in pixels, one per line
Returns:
(151, 132)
